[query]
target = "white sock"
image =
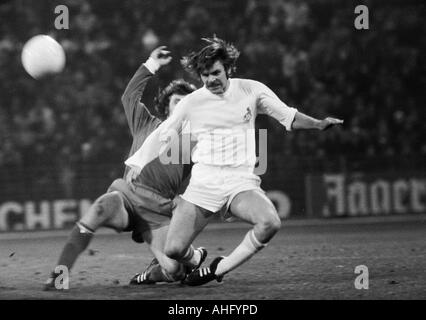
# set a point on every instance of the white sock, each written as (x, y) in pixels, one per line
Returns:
(192, 257)
(83, 228)
(246, 249)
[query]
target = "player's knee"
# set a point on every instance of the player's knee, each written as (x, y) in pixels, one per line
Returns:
(175, 270)
(269, 225)
(275, 223)
(106, 206)
(179, 273)
(175, 251)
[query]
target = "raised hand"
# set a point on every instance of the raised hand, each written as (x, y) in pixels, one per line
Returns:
(161, 55)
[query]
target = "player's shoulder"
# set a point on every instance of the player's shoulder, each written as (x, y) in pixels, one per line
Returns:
(193, 97)
(247, 85)
(196, 93)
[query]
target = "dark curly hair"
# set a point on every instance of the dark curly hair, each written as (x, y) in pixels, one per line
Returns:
(178, 86)
(217, 49)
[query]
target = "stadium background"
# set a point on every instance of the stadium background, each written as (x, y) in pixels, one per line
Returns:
(64, 139)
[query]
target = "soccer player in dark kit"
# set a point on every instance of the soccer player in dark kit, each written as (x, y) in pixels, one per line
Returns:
(143, 202)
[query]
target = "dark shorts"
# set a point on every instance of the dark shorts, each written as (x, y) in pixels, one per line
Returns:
(147, 210)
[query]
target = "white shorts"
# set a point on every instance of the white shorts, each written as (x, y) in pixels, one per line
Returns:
(214, 187)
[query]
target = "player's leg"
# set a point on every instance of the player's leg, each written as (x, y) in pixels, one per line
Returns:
(187, 222)
(109, 211)
(152, 218)
(254, 207)
(165, 269)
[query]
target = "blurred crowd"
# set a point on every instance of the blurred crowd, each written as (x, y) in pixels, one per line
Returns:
(308, 52)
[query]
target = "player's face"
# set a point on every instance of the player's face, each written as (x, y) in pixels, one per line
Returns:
(174, 100)
(215, 79)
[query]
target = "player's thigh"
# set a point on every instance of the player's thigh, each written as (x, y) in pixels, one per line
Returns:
(118, 220)
(254, 206)
(156, 239)
(107, 211)
(187, 222)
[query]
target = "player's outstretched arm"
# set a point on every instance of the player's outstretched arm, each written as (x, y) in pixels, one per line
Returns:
(303, 121)
(149, 150)
(159, 140)
(291, 118)
(136, 112)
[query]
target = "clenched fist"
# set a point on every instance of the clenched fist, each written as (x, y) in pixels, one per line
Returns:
(160, 55)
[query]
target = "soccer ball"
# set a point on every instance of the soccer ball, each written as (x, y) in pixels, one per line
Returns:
(42, 55)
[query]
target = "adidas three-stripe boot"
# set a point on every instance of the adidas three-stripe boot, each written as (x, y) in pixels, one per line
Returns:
(204, 275)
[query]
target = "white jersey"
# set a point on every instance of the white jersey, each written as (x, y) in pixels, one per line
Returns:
(223, 125)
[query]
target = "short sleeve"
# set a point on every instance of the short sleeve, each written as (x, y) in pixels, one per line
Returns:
(268, 103)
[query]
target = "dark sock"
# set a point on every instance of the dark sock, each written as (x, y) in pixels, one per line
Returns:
(77, 242)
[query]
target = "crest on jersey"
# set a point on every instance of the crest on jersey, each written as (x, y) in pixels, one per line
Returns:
(248, 115)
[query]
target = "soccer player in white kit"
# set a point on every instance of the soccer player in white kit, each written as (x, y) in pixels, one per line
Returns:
(221, 118)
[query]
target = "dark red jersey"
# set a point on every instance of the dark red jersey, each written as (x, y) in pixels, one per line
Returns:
(168, 179)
